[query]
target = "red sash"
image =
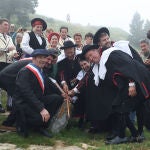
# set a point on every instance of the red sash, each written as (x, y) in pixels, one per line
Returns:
(38, 75)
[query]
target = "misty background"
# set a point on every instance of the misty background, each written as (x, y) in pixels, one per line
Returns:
(127, 20)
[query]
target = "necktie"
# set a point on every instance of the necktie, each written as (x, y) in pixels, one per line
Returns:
(4, 36)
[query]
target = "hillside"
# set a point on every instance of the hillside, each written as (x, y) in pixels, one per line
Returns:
(116, 33)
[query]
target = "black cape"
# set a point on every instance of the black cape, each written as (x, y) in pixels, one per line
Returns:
(100, 99)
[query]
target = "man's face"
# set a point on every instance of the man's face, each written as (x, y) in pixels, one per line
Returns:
(12, 27)
(4, 27)
(38, 29)
(70, 53)
(78, 40)
(105, 42)
(88, 41)
(18, 39)
(93, 56)
(85, 65)
(40, 61)
(63, 33)
(49, 61)
(54, 61)
(145, 48)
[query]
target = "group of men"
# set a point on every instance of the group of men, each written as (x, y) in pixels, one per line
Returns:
(105, 83)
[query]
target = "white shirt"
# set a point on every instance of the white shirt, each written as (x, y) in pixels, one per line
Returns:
(25, 43)
(101, 72)
(80, 75)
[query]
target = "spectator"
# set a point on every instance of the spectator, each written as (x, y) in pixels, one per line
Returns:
(78, 40)
(88, 39)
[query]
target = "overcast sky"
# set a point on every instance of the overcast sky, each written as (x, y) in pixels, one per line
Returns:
(112, 13)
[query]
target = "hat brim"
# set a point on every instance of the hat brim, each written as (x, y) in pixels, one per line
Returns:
(65, 47)
(97, 34)
(42, 52)
(34, 55)
(41, 20)
(91, 47)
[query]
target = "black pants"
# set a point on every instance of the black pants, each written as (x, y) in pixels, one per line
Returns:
(123, 104)
(28, 117)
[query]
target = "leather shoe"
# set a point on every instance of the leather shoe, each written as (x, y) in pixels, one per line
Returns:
(22, 132)
(117, 140)
(93, 130)
(141, 137)
(137, 139)
(45, 133)
(111, 136)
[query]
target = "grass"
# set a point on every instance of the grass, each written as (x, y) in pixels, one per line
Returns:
(71, 136)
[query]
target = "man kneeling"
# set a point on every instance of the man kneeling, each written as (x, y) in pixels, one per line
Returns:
(33, 103)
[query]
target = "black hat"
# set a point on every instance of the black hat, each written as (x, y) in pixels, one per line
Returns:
(87, 48)
(148, 34)
(53, 52)
(97, 34)
(39, 20)
(37, 52)
(68, 44)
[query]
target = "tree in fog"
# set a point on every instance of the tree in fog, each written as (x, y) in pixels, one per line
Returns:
(136, 30)
(146, 27)
(18, 10)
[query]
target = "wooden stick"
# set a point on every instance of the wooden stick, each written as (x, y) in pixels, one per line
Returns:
(61, 90)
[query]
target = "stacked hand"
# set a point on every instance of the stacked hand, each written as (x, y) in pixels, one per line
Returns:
(147, 62)
(45, 115)
(132, 91)
(71, 93)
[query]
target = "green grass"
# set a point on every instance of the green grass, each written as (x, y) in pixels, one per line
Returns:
(71, 136)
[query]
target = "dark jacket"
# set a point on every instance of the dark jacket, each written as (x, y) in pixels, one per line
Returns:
(67, 71)
(28, 90)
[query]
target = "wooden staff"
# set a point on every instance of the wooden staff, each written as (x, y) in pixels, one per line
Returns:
(62, 91)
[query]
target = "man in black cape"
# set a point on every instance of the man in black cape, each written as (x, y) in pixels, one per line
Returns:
(102, 38)
(117, 69)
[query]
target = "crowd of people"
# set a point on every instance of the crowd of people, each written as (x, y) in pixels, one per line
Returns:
(107, 82)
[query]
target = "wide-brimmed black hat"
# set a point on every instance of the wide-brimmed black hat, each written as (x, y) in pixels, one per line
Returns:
(97, 34)
(44, 24)
(87, 48)
(37, 52)
(68, 44)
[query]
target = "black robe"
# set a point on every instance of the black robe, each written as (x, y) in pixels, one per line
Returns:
(120, 64)
(67, 71)
(101, 99)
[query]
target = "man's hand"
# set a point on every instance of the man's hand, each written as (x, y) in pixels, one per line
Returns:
(71, 93)
(45, 115)
(16, 55)
(65, 88)
(147, 62)
(11, 48)
(73, 82)
(64, 95)
(132, 91)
